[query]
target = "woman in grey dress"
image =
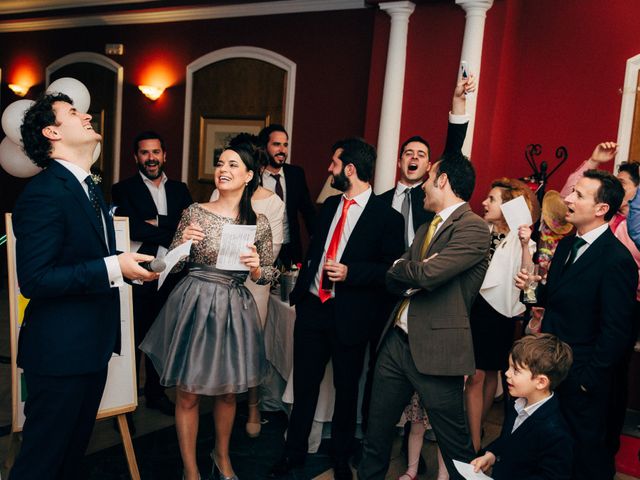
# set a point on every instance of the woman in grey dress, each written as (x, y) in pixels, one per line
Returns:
(207, 340)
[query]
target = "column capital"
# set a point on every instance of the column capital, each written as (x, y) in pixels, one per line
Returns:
(475, 6)
(398, 9)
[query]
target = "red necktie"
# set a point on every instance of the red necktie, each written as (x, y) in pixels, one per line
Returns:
(333, 245)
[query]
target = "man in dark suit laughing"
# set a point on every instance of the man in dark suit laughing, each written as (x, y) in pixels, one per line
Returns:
(154, 205)
(68, 268)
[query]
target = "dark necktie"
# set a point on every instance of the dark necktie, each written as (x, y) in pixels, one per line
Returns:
(95, 201)
(279, 191)
(406, 210)
(577, 243)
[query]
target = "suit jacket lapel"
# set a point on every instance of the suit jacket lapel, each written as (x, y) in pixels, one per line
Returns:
(74, 186)
(455, 215)
(359, 233)
(593, 254)
(145, 195)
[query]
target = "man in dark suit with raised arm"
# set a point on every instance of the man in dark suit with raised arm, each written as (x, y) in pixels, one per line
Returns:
(415, 161)
(589, 301)
(289, 183)
(69, 270)
(338, 296)
(428, 347)
(154, 205)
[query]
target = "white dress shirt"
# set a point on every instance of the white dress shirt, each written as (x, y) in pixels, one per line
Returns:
(590, 237)
(525, 411)
(269, 183)
(353, 215)
(159, 196)
(396, 203)
(444, 215)
(111, 262)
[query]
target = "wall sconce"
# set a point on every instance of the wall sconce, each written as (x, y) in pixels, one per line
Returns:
(151, 92)
(19, 90)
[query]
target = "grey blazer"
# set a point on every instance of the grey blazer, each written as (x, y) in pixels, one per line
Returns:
(438, 317)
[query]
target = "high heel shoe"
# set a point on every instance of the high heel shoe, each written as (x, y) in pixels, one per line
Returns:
(216, 473)
(253, 428)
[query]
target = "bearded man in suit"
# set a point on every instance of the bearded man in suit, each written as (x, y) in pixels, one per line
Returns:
(338, 297)
(154, 205)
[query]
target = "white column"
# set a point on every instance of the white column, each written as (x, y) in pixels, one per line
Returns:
(476, 13)
(391, 113)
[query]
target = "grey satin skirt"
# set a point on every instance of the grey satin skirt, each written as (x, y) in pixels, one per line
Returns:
(208, 337)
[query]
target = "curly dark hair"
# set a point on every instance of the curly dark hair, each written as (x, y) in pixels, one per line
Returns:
(40, 115)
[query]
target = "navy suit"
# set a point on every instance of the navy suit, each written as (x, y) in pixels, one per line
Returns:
(133, 199)
(541, 448)
(71, 325)
(591, 306)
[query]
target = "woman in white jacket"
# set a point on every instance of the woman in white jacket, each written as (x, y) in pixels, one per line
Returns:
(492, 324)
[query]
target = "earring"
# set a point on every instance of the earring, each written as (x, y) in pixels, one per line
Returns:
(246, 184)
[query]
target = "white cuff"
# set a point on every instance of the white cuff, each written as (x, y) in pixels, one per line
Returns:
(113, 271)
(458, 119)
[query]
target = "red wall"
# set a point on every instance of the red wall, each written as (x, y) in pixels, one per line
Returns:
(551, 74)
(331, 51)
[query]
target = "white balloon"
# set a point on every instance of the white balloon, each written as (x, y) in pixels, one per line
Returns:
(96, 152)
(13, 117)
(75, 90)
(14, 161)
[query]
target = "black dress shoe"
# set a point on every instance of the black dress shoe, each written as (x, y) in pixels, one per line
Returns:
(163, 404)
(284, 466)
(342, 470)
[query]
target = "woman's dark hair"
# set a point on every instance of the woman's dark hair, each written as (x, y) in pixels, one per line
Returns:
(40, 115)
(246, 215)
(259, 152)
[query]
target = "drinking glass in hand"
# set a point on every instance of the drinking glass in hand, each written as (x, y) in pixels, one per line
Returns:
(529, 295)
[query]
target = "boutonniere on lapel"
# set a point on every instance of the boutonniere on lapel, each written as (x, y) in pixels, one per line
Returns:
(97, 179)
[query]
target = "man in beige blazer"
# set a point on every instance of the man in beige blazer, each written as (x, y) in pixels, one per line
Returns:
(427, 344)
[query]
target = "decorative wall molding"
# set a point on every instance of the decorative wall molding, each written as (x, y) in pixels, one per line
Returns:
(237, 52)
(629, 92)
(109, 64)
(181, 14)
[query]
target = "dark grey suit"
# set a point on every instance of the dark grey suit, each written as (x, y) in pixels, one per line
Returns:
(438, 350)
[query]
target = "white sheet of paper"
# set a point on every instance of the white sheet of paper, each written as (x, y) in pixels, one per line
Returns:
(233, 242)
(466, 470)
(516, 213)
(172, 257)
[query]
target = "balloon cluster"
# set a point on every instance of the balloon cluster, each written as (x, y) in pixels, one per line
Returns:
(12, 157)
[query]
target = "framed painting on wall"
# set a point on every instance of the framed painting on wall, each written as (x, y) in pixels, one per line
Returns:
(215, 133)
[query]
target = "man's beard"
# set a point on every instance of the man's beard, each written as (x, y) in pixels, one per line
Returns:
(340, 181)
(143, 170)
(275, 163)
